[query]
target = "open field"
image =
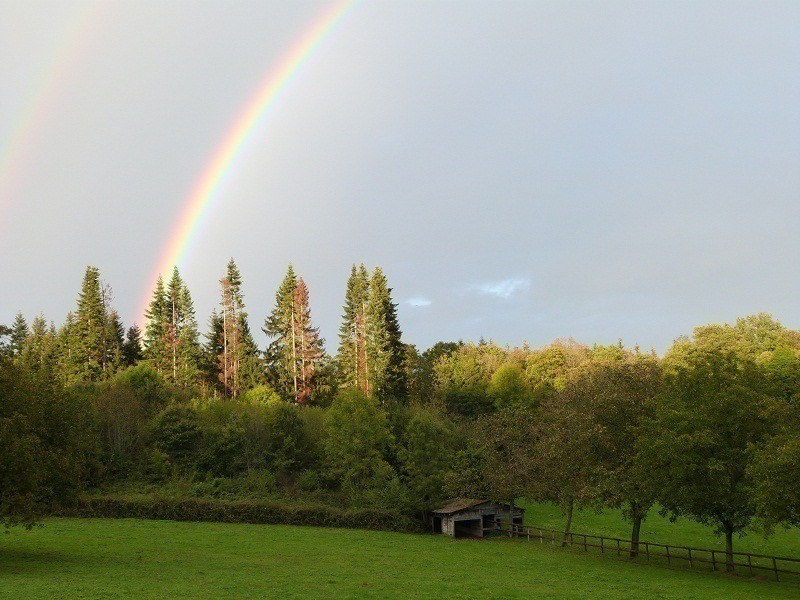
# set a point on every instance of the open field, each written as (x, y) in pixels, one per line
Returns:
(86, 558)
(659, 529)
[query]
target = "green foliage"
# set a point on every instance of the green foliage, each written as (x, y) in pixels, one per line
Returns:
(695, 450)
(44, 450)
(426, 455)
(357, 441)
(177, 432)
(508, 388)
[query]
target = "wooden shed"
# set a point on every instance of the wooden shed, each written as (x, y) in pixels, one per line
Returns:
(466, 517)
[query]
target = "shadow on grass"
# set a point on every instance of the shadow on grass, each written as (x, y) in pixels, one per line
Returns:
(26, 561)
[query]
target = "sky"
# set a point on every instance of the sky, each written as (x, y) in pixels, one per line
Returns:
(522, 171)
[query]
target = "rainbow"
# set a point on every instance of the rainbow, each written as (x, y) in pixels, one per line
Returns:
(41, 102)
(219, 168)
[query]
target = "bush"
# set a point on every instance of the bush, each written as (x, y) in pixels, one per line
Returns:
(241, 511)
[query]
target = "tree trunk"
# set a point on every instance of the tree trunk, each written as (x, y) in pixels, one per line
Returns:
(569, 522)
(636, 515)
(728, 527)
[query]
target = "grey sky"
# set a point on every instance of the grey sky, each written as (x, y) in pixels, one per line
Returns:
(521, 171)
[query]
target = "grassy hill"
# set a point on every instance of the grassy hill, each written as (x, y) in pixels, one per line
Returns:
(88, 558)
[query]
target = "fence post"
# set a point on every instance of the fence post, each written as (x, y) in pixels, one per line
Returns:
(669, 562)
(713, 561)
(602, 550)
(750, 563)
(690, 557)
(617, 546)
(775, 568)
(647, 550)
(585, 547)
(541, 538)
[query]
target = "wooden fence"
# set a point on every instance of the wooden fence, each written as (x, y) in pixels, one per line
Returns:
(693, 556)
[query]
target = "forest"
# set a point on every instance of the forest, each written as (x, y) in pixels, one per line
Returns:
(709, 431)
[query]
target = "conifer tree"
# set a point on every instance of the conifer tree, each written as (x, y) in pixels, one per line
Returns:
(87, 337)
(188, 345)
(281, 352)
(113, 341)
(132, 347)
(308, 345)
(155, 339)
(19, 335)
(172, 343)
(351, 359)
(384, 347)
(238, 364)
(39, 353)
(212, 350)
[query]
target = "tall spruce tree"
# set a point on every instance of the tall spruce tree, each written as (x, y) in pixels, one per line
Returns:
(19, 335)
(351, 359)
(87, 337)
(308, 345)
(385, 350)
(132, 347)
(40, 348)
(156, 349)
(281, 352)
(238, 363)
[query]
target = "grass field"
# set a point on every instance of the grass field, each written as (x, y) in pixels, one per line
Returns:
(85, 558)
(659, 529)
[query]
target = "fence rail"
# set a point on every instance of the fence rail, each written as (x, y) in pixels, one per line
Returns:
(716, 558)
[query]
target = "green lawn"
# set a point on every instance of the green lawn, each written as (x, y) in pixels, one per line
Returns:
(74, 558)
(656, 528)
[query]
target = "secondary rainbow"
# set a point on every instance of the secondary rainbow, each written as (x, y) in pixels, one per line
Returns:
(224, 159)
(20, 142)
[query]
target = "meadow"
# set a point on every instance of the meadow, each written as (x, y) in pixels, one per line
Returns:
(93, 558)
(681, 532)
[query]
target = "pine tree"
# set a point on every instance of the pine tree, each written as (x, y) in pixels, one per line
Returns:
(156, 349)
(238, 355)
(132, 347)
(212, 350)
(19, 335)
(39, 353)
(384, 347)
(87, 351)
(281, 352)
(188, 346)
(113, 342)
(351, 358)
(308, 345)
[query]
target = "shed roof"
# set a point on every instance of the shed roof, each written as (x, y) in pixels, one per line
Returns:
(455, 505)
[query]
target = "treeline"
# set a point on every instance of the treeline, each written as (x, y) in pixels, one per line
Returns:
(710, 431)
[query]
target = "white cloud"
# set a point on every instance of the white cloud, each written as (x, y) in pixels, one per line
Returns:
(505, 288)
(418, 301)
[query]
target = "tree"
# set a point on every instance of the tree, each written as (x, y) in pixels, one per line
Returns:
(40, 349)
(132, 347)
(308, 350)
(155, 339)
(89, 337)
(282, 352)
(19, 335)
(351, 359)
(695, 450)
(238, 364)
(384, 349)
(612, 395)
(426, 455)
(44, 446)
(509, 387)
(357, 441)
(774, 469)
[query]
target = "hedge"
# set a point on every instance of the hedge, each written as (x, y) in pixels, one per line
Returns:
(239, 511)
